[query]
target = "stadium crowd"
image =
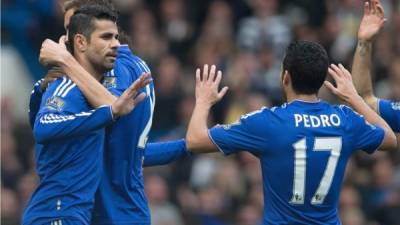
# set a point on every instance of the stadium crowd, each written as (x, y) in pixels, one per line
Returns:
(246, 39)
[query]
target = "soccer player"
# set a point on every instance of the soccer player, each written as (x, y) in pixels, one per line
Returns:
(371, 23)
(303, 145)
(70, 133)
(120, 198)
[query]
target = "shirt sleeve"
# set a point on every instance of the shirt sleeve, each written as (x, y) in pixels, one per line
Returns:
(34, 102)
(245, 135)
(61, 115)
(390, 112)
(162, 153)
(366, 136)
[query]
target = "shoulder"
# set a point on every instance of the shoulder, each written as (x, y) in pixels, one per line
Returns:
(129, 67)
(384, 104)
(128, 59)
(61, 94)
(257, 117)
(346, 111)
(63, 87)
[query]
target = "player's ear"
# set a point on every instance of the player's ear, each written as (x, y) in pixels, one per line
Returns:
(286, 78)
(80, 42)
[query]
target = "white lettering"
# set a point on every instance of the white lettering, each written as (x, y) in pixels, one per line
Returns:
(315, 122)
(325, 121)
(306, 120)
(336, 117)
(297, 119)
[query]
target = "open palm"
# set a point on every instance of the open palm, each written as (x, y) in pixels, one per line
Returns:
(372, 21)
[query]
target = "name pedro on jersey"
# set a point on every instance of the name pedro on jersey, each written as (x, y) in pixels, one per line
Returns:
(305, 120)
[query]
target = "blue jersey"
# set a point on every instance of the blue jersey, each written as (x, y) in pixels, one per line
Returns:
(390, 112)
(68, 155)
(303, 148)
(134, 205)
(121, 198)
(156, 154)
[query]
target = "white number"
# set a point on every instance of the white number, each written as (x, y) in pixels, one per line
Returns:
(332, 144)
(145, 133)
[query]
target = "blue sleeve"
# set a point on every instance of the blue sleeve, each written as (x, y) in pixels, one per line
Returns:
(165, 152)
(390, 112)
(366, 136)
(245, 135)
(64, 114)
(34, 102)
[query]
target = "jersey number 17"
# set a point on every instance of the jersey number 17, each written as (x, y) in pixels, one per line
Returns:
(332, 144)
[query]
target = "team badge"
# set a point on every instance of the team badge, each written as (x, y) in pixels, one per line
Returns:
(110, 82)
(55, 103)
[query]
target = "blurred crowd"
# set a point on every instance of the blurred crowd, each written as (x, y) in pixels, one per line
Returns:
(246, 39)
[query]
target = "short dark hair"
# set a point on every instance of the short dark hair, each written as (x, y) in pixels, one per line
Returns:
(307, 63)
(70, 4)
(82, 22)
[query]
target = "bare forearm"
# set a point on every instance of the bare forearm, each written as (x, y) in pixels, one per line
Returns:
(95, 93)
(197, 134)
(361, 72)
(372, 117)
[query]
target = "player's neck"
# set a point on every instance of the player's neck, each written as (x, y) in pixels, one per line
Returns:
(98, 75)
(302, 97)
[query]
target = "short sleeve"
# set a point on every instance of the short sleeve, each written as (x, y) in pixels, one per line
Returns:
(390, 112)
(366, 136)
(245, 135)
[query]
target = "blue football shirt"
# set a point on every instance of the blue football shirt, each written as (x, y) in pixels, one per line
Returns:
(121, 198)
(69, 139)
(134, 205)
(390, 112)
(303, 148)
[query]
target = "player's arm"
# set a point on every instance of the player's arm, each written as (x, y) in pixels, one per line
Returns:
(59, 118)
(162, 153)
(36, 95)
(56, 53)
(207, 94)
(345, 90)
(34, 102)
(53, 124)
(371, 23)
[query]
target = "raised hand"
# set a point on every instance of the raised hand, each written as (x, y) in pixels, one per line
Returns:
(207, 85)
(53, 53)
(344, 89)
(372, 21)
(130, 98)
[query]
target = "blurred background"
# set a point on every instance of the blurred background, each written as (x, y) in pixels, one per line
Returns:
(246, 39)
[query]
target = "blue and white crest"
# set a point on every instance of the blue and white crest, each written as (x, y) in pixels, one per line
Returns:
(55, 103)
(110, 82)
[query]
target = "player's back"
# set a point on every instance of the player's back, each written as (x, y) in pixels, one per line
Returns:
(307, 146)
(69, 156)
(121, 198)
(303, 148)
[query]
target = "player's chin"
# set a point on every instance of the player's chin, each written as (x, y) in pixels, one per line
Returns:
(109, 64)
